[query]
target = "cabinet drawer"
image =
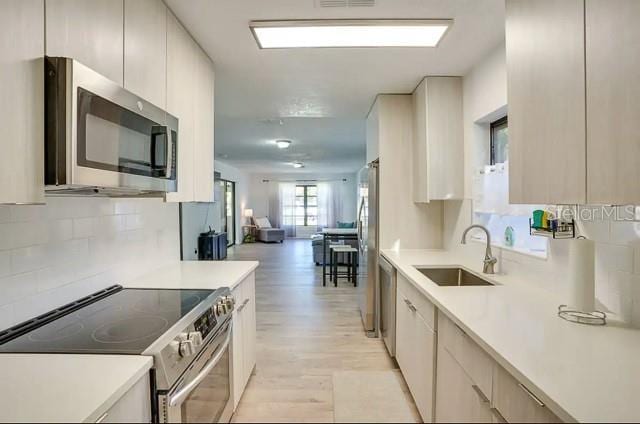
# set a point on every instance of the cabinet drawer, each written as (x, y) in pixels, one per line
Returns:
(475, 361)
(457, 397)
(423, 306)
(516, 403)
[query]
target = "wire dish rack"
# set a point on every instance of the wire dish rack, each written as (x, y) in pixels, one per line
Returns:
(557, 230)
(581, 317)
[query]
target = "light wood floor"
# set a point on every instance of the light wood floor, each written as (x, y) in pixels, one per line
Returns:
(305, 333)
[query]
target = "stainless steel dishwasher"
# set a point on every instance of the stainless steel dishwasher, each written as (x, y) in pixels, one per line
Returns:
(387, 286)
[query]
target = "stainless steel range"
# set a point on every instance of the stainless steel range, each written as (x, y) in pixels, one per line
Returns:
(186, 331)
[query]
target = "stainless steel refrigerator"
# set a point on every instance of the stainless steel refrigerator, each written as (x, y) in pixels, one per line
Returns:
(369, 248)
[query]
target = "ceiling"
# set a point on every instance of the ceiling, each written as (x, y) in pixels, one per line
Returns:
(319, 98)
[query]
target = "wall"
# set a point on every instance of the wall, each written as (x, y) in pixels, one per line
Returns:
(617, 243)
(197, 217)
(403, 224)
(53, 254)
(258, 198)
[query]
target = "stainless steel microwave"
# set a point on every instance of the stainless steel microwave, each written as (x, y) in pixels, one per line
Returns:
(102, 139)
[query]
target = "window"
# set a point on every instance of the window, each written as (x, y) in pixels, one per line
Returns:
(306, 212)
(499, 141)
(508, 224)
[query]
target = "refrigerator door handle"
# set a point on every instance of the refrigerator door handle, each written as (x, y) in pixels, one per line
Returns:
(360, 239)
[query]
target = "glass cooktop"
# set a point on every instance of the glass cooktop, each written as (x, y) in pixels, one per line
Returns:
(126, 322)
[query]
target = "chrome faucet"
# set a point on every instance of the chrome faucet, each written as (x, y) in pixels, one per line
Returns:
(489, 259)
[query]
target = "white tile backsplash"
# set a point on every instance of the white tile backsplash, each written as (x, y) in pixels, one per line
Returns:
(617, 259)
(53, 254)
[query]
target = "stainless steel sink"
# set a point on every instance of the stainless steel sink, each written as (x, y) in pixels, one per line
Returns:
(453, 277)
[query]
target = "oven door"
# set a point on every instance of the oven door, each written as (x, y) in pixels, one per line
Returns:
(203, 393)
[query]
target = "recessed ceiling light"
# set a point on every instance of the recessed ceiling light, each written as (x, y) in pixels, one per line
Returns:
(349, 33)
(298, 165)
(283, 144)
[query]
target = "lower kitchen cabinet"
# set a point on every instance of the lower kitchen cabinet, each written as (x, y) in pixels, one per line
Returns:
(416, 350)
(515, 403)
(472, 387)
(133, 407)
(244, 336)
(458, 398)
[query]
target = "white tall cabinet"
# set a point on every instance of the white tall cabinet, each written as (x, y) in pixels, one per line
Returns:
(145, 50)
(204, 133)
(22, 101)
(190, 97)
(403, 223)
(88, 31)
(180, 88)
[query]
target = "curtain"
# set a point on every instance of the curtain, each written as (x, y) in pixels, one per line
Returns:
(274, 204)
(329, 204)
(287, 206)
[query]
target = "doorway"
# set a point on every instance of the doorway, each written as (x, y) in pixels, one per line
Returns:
(227, 195)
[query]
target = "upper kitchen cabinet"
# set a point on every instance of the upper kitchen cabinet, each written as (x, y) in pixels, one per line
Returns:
(88, 31)
(181, 57)
(438, 140)
(22, 105)
(546, 97)
(190, 97)
(204, 129)
(145, 49)
(613, 105)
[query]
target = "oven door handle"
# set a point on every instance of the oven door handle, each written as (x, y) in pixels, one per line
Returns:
(178, 398)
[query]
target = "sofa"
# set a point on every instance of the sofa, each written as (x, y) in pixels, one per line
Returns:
(266, 233)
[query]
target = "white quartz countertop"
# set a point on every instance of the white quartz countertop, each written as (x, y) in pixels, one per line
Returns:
(583, 373)
(65, 388)
(196, 275)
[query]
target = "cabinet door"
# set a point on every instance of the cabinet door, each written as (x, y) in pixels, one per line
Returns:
(613, 90)
(133, 407)
(180, 93)
(420, 154)
(238, 346)
(438, 154)
(204, 110)
(88, 31)
(145, 50)
(249, 326)
(22, 104)
(415, 353)
(458, 399)
(516, 403)
(546, 97)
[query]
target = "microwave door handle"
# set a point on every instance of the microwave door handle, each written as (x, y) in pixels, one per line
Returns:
(178, 398)
(157, 131)
(169, 161)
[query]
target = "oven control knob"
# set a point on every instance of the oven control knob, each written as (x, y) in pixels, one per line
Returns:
(229, 301)
(182, 337)
(175, 346)
(186, 348)
(220, 309)
(196, 338)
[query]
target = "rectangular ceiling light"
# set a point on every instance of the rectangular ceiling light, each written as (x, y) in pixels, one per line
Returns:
(349, 33)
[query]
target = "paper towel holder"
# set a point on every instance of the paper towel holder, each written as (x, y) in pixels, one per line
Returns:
(581, 317)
